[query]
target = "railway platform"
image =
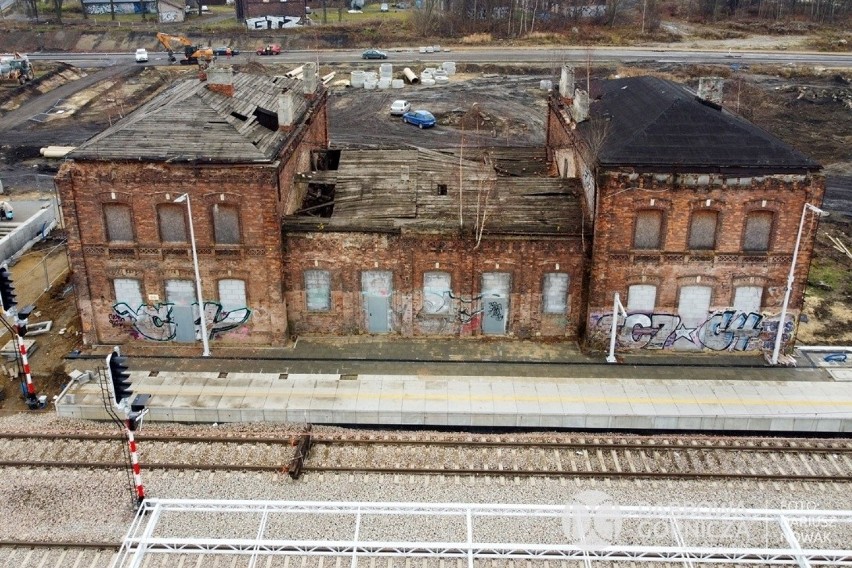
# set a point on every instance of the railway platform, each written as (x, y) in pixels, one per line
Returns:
(491, 384)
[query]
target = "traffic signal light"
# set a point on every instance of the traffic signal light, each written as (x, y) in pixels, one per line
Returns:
(7, 289)
(119, 376)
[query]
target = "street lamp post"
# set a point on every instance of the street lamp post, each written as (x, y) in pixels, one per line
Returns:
(776, 350)
(616, 307)
(202, 318)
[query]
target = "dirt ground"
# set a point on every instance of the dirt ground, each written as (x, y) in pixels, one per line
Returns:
(47, 357)
(811, 109)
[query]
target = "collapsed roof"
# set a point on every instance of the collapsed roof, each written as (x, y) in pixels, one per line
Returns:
(190, 122)
(416, 190)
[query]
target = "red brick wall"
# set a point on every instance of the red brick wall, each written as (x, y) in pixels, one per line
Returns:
(85, 187)
(616, 265)
(261, 193)
(346, 255)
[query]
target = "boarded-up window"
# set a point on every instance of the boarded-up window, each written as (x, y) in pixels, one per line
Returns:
(118, 224)
(649, 226)
(436, 293)
(641, 298)
(172, 220)
(496, 284)
(318, 290)
(128, 291)
(232, 294)
(377, 283)
(694, 306)
(757, 231)
(747, 298)
(180, 292)
(226, 224)
(702, 230)
(555, 293)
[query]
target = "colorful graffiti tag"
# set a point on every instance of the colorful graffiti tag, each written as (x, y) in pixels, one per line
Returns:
(727, 330)
(155, 322)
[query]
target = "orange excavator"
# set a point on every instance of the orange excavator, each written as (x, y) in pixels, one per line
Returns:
(192, 54)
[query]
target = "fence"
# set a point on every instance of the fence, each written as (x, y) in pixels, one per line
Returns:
(38, 276)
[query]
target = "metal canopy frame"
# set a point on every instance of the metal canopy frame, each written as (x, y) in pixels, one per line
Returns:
(153, 518)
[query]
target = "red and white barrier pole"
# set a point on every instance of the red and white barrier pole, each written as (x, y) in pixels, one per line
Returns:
(134, 461)
(31, 394)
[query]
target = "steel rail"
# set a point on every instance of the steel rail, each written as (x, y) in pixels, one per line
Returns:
(58, 544)
(657, 446)
(148, 465)
(476, 472)
(291, 439)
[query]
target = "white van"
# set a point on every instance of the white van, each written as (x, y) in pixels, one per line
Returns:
(384, 8)
(141, 55)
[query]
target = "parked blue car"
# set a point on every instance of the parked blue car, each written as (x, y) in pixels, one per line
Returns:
(421, 118)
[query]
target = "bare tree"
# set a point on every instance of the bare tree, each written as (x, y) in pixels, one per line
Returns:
(32, 8)
(57, 9)
(613, 9)
(483, 196)
(425, 18)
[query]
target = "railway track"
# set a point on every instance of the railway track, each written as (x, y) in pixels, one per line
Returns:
(494, 456)
(57, 554)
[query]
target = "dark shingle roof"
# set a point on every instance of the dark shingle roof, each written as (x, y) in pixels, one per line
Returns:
(657, 123)
(189, 122)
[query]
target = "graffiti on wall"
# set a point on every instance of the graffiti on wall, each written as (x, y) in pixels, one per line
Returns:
(155, 322)
(98, 9)
(727, 330)
(460, 315)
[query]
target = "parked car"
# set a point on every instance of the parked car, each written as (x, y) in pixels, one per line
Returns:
(141, 55)
(223, 50)
(374, 54)
(400, 107)
(270, 49)
(421, 118)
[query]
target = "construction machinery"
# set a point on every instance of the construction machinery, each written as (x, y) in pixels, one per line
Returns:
(192, 53)
(15, 68)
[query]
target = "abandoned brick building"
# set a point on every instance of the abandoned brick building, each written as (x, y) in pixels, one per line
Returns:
(695, 210)
(686, 210)
(233, 142)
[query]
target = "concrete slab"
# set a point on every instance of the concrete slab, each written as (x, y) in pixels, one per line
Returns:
(808, 405)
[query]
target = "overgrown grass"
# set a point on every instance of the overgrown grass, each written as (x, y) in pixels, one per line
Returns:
(826, 273)
(477, 39)
(830, 41)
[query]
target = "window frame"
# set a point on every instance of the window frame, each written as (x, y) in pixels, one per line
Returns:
(446, 305)
(139, 284)
(566, 304)
(717, 217)
(328, 295)
(660, 229)
(769, 233)
(213, 217)
(631, 296)
(172, 207)
(118, 205)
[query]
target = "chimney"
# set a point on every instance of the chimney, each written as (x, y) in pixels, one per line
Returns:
(566, 82)
(221, 80)
(580, 108)
(309, 79)
(286, 110)
(710, 89)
